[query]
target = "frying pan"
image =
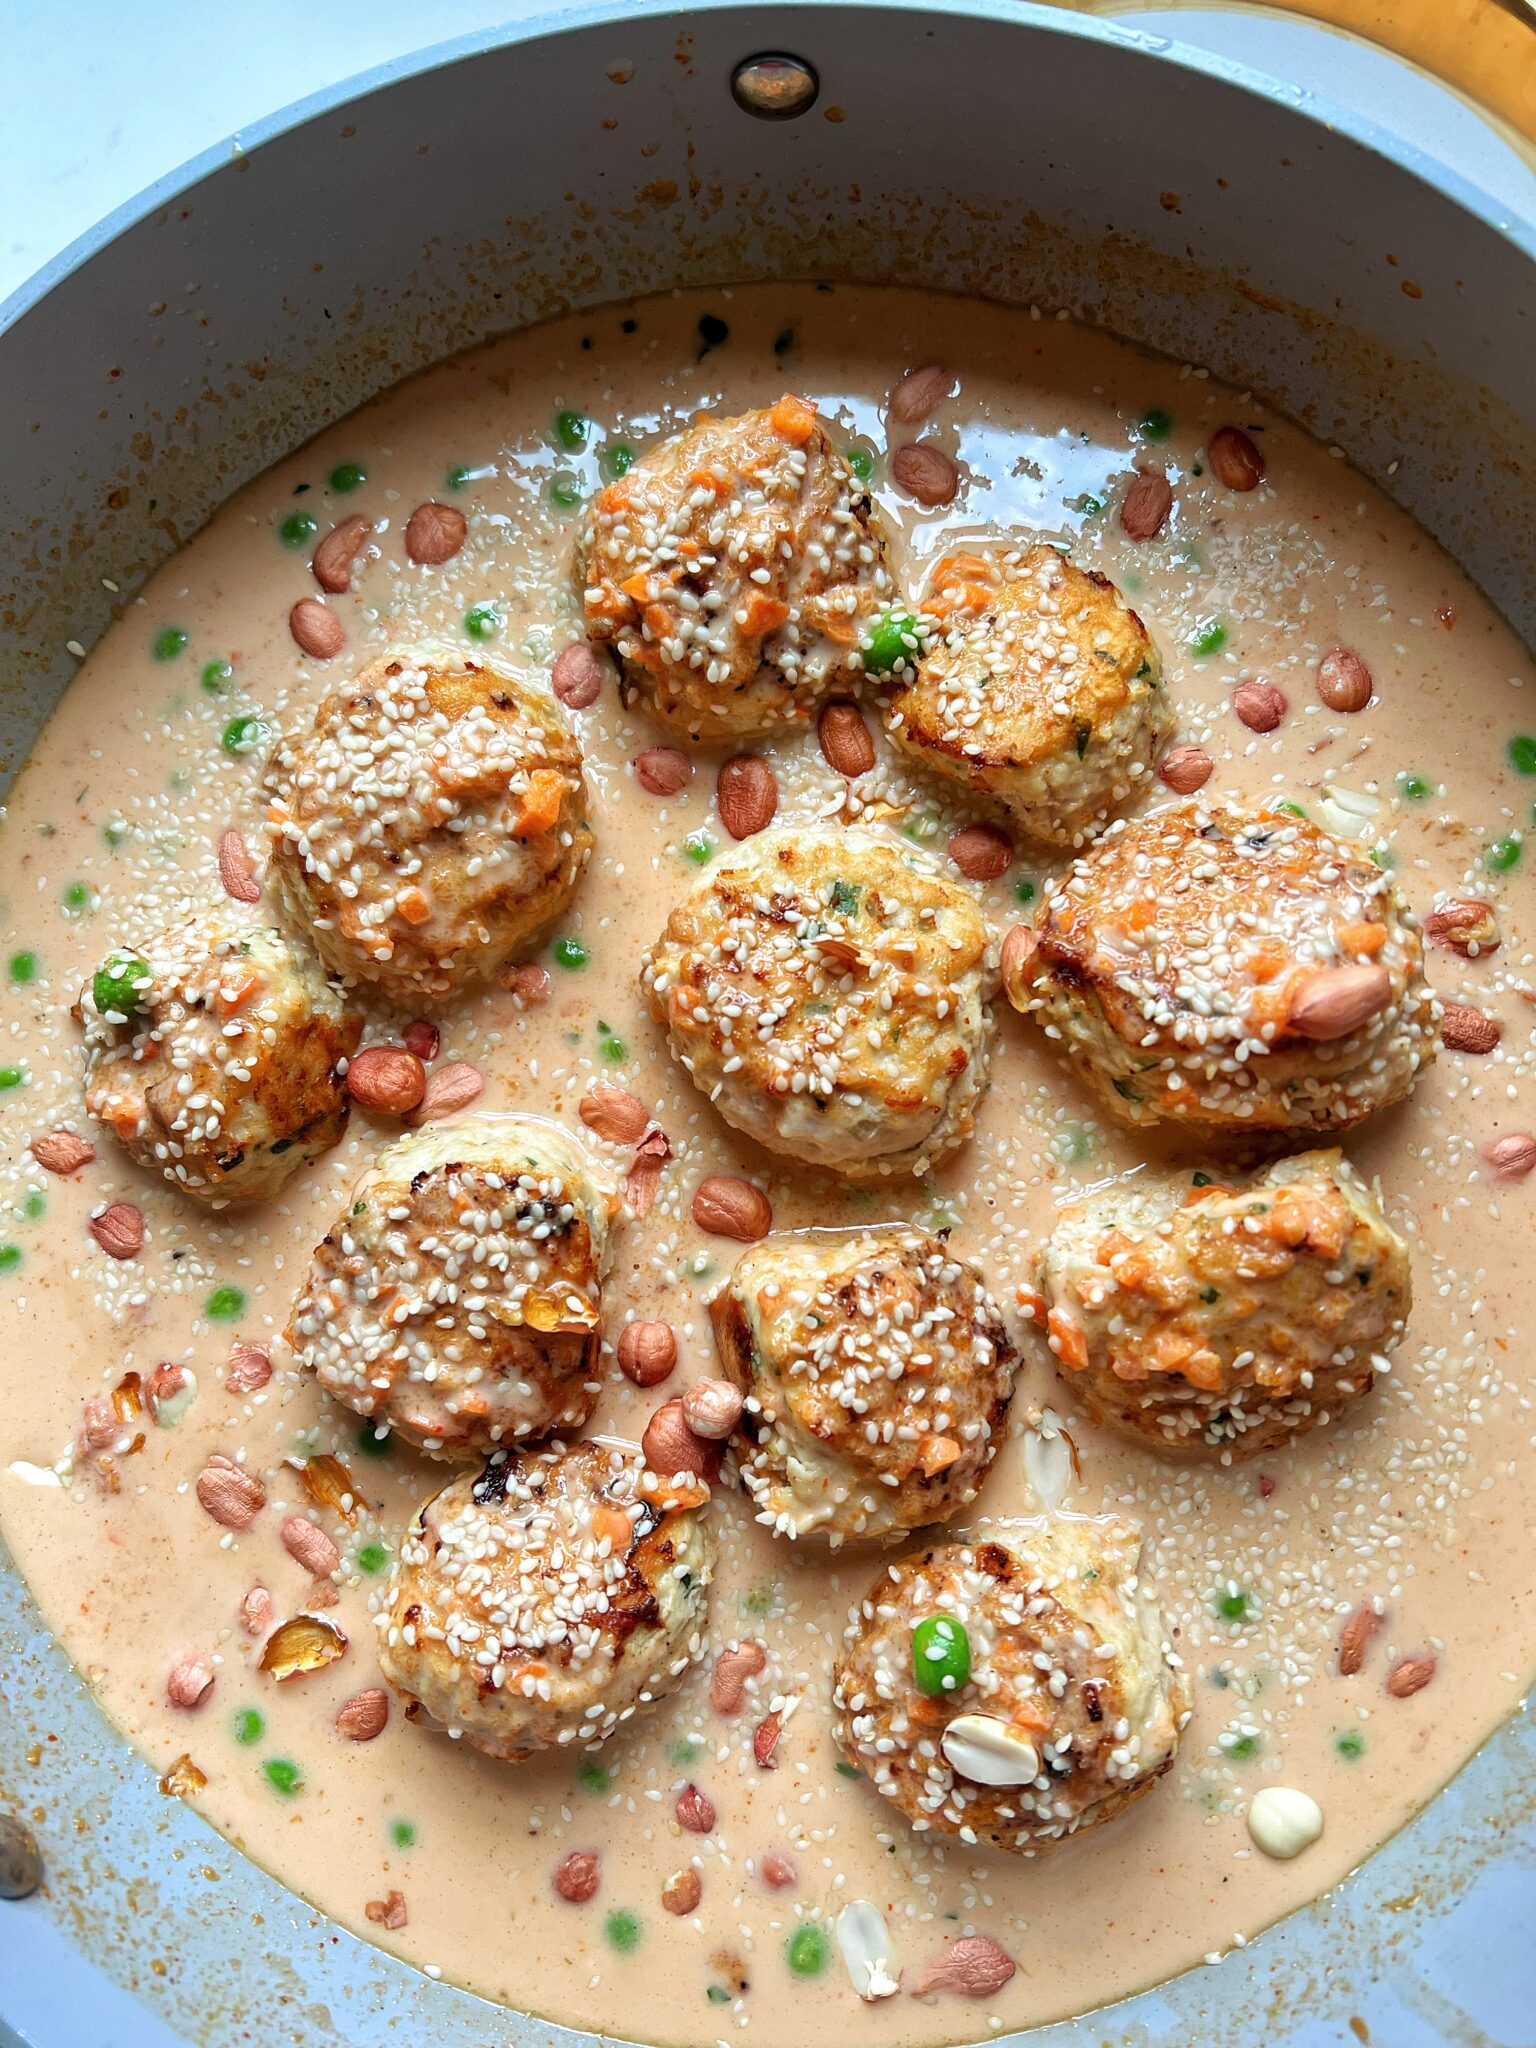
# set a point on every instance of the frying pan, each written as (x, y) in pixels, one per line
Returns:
(1010, 150)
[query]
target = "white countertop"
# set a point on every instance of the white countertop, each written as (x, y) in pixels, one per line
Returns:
(99, 101)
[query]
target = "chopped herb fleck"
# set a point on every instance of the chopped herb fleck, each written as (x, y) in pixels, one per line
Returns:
(623, 1931)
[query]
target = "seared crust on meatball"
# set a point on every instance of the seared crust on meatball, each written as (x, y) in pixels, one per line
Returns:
(1073, 1697)
(827, 989)
(546, 1602)
(1232, 970)
(431, 824)
(1225, 1312)
(877, 1371)
(1042, 691)
(457, 1297)
(732, 569)
(227, 1076)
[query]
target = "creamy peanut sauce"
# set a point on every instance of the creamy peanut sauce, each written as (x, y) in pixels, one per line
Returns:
(1420, 1500)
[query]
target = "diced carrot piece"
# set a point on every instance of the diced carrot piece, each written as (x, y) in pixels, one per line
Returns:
(963, 568)
(841, 628)
(1265, 962)
(760, 615)
(1142, 913)
(637, 586)
(709, 480)
(541, 806)
(1032, 1302)
(236, 986)
(413, 904)
(1361, 941)
(658, 621)
(937, 1454)
(614, 1524)
(1067, 1340)
(794, 418)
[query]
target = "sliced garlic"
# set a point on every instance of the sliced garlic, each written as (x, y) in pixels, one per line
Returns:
(33, 1475)
(1283, 1821)
(865, 1943)
(985, 1750)
(1047, 1461)
(1349, 811)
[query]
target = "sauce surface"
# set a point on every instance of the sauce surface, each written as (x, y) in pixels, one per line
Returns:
(1419, 1500)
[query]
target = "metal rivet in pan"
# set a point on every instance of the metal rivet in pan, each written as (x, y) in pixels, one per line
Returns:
(21, 1863)
(774, 87)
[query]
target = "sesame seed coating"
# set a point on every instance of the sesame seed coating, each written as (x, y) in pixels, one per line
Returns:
(457, 1296)
(431, 824)
(732, 570)
(1067, 1650)
(227, 1077)
(546, 1601)
(1230, 1315)
(1042, 691)
(827, 989)
(878, 1373)
(1172, 957)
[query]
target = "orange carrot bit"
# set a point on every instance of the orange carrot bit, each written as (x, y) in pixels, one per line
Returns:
(1361, 941)
(1143, 912)
(1067, 1340)
(236, 986)
(614, 1524)
(962, 583)
(637, 586)
(541, 806)
(413, 904)
(1265, 962)
(936, 1455)
(709, 480)
(794, 418)
(760, 615)
(1031, 1302)
(658, 621)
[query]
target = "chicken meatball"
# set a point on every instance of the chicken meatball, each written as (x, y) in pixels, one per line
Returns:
(732, 569)
(827, 989)
(1225, 1311)
(1041, 690)
(457, 1297)
(430, 826)
(1014, 1689)
(544, 1603)
(216, 1053)
(1232, 971)
(877, 1372)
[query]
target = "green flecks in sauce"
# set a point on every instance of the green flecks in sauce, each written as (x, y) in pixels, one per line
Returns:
(1240, 1748)
(699, 847)
(686, 1752)
(1087, 503)
(34, 1205)
(216, 677)
(371, 1441)
(1522, 754)
(1073, 1146)
(482, 621)
(891, 642)
(247, 1726)
(77, 897)
(403, 1833)
(119, 984)
(612, 1047)
(283, 1775)
(298, 529)
(1025, 889)
(846, 1770)
(243, 735)
(806, 1950)
(1209, 637)
(592, 1776)
(861, 461)
(225, 1304)
(1415, 787)
(11, 1077)
(1350, 1745)
(10, 1257)
(170, 642)
(570, 954)
(623, 1931)
(1232, 1603)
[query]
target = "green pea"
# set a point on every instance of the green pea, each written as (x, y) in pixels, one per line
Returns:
(216, 677)
(403, 1833)
(10, 1257)
(806, 1950)
(374, 1443)
(1025, 890)
(862, 462)
(891, 641)
(1291, 810)
(847, 1770)
(615, 1051)
(941, 1655)
(570, 954)
(1522, 754)
(1415, 787)
(1350, 1745)
(623, 1932)
(699, 847)
(244, 734)
(120, 985)
(283, 1775)
(34, 1205)
(482, 621)
(1209, 637)
(23, 968)
(564, 491)
(572, 430)
(298, 529)
(169, 642)
(372, 1557)
(686, 1752)
(1232, 1604)
(1155, 424)
(618, 459)
(1242, 1749)
(593, 1776)
(348, 476)
(11, 1077)
(1504, 854)
(248, 1726)
(1073, 1146)
(717, 1994)
(1089, 505)
(225, 1304)
(77, 897)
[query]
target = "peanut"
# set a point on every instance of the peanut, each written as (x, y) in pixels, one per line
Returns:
(644, 1176)
(364, 1716)
(1338, 1000)
(190, 1682)
(712, 1409)
(974, 1966)
(1355, 1637)
(846, 745)
(728, 1680)
(119, 1230)
(1260, 705)
(1463, 1029)
(682, 1892)
(981, 852)
(727, 1206)
(746, 795)
(237, 874)
(663, 771)
(1343, 680)
(1020, 950)
(670, 1446)
(614, 1115)
(577, 1878)
(61, 1151)
(386, 1079)
(530, 984)
(309, 1546)
(1185, 769)
(765, 1740)
(920, 393)
(1411, 1674)
(316, 629)
(1145, 507)
(1235, 459)
(1512, 1156)
(230, 1494)
(249, 1368)
(578, 675)
(422, 1038)
(695, 1810)
(1464, 925)
(647, 1353)
(434, 534)
(335, 555)
(451, 1088)
(926, 473)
